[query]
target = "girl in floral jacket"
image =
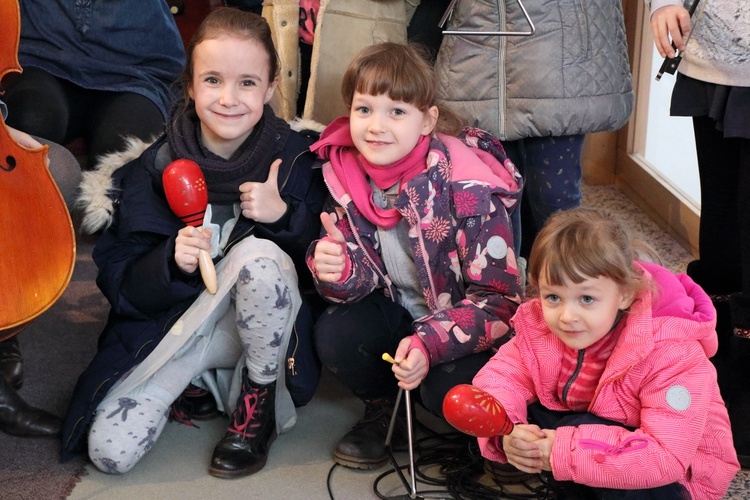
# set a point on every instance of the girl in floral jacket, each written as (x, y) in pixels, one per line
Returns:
(418, 255)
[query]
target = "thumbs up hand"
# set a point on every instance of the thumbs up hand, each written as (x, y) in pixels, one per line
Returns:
(330, 258)
(261, 201)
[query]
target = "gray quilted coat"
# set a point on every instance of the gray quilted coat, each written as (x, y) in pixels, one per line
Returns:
(571, 77)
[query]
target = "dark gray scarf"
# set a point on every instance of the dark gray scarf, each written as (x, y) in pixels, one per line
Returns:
(250, 163)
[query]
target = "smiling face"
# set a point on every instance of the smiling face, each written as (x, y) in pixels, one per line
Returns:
(230, 85)
(385, 131)
(580, 314)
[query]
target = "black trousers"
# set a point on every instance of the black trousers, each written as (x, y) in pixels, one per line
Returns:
(45, 106)
(548, 419)
(351, 339)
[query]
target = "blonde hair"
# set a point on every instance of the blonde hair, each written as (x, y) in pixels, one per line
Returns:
(583, 243)
(403, 74)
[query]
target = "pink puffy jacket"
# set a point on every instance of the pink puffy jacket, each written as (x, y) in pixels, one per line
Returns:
(658, 380)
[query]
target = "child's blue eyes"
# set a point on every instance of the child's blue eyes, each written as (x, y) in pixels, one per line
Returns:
(365, 110)
(586, 299)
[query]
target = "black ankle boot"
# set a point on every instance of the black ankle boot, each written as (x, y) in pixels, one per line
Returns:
(719, 291)
(734, 377)
(244, 448)
(364, 447)
(18, 418)
(11, 362)
(195, 403)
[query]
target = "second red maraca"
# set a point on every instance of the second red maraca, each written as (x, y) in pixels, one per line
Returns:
(185, 188)
(476, 412)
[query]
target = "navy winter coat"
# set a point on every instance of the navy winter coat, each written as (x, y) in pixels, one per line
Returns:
(148, 293)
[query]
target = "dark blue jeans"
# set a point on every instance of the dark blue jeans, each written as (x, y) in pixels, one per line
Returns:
(351, 339)
(548, 419)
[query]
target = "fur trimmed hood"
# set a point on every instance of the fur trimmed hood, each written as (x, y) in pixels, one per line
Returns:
(95, 198)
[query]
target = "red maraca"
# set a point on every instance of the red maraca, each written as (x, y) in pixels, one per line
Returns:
(187, 196)
(475, 412)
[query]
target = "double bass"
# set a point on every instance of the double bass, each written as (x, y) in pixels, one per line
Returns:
(38, 239)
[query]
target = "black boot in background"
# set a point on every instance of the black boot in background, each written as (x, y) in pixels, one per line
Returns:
(736, 379)
(719, 291)
(18, 418)
(11, 362)
(244, 448)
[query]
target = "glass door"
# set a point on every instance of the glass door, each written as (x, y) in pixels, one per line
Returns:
(655, 162)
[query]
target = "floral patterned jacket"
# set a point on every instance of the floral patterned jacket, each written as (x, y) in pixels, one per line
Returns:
(458, 210)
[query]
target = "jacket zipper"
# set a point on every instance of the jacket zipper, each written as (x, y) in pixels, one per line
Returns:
(355, 233)
(424, 259)
(579, 365)
(290, 363)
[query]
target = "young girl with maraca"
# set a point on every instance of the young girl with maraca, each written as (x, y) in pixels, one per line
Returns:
(164, 329)
(608, 377)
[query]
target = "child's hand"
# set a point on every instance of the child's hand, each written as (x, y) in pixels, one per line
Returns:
(190, 241)
(25, 140)
(671, 21)
(410, 366)
(525, 448)
(329, 258)
(261, 201)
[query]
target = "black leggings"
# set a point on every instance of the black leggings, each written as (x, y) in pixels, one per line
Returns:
(57, 110)
(724, 236)
(351, 339)
(548, 419)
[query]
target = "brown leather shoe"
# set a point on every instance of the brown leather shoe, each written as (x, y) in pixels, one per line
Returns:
(11, 362)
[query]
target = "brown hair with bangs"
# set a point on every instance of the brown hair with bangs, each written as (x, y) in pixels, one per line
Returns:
(231, 22)
(403, 74)
(582, 243)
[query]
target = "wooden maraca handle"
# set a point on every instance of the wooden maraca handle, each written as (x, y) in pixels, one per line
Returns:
(208, 272)
(476, 412)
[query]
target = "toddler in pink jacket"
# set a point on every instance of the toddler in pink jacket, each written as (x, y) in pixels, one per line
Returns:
(608, 377)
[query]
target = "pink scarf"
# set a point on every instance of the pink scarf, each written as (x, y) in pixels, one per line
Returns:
(353, 170)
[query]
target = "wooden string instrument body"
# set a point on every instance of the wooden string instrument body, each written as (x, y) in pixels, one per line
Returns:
(38, 248)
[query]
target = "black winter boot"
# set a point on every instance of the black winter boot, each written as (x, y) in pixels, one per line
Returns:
(244, 448)
(364, 447)
(719, 292)
(734, 379)
(18, 418)
(11, 362)
(195, 403)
